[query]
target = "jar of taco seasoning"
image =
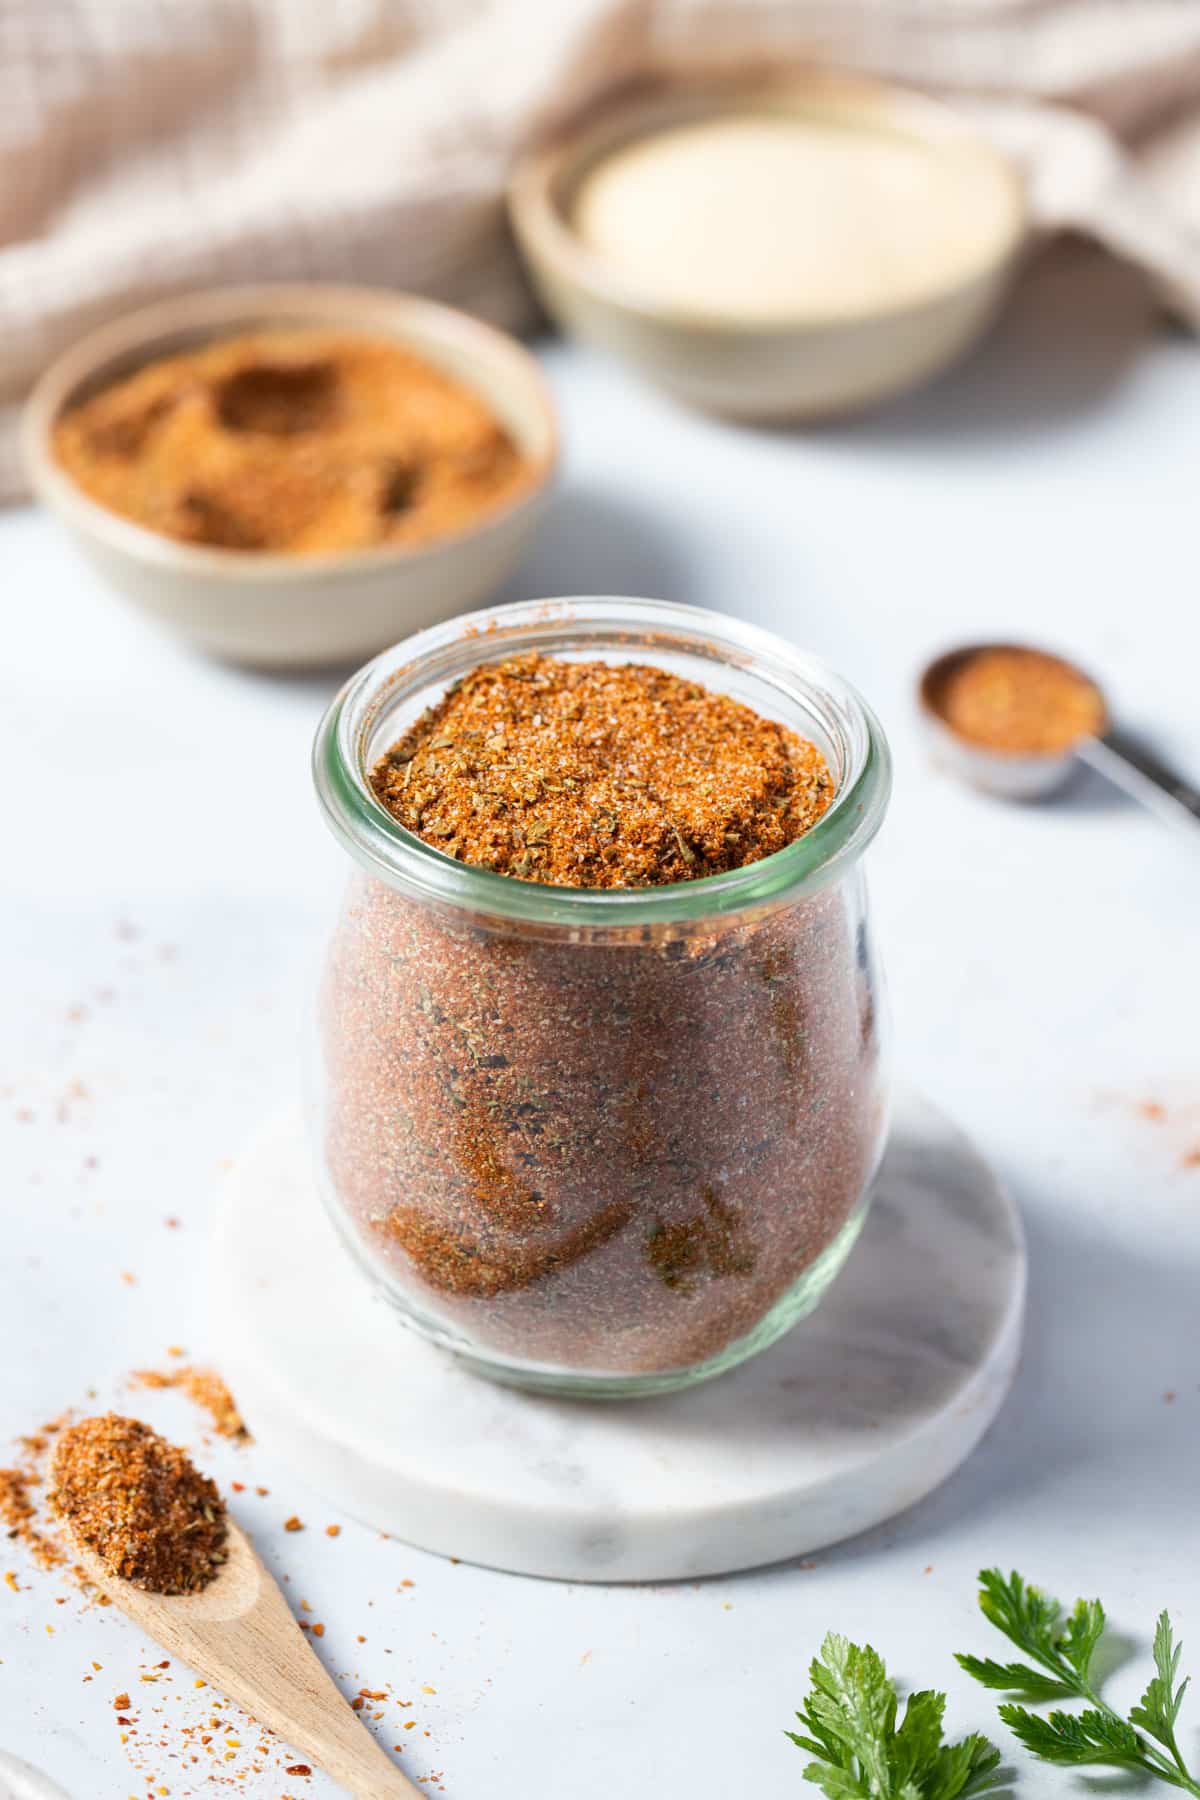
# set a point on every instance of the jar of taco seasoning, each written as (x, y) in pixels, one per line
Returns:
(599, 1140)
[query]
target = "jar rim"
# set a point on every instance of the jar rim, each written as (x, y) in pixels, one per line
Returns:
(395, 855)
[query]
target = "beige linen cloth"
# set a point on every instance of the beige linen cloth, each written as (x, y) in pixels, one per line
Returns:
(152, 146)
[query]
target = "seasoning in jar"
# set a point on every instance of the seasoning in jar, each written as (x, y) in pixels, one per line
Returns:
(140, 1503)
(600, 775)
(297, 441)
(1016, 700)
(595, 1148)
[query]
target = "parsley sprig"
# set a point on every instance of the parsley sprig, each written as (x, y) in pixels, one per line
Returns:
(850, 1727)
(1064, 1654)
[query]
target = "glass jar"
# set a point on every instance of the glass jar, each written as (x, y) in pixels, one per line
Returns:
(600, 1141)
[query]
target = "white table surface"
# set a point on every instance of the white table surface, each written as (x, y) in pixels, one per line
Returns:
(164, 895)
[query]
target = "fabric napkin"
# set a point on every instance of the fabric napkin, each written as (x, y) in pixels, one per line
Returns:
(148, 147)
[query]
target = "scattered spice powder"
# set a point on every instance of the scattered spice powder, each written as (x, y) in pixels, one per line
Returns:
(19, 1488)
(298, 441)
(139, 1503)
(204, 1387)
(1016, 700)
(611, 1150)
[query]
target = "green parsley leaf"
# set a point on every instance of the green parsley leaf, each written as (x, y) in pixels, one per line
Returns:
(1085, 1628)
(1159, 1706)
(862, 1753)
(1086, 1737)
(1065, 1652)
(1013, 1678)
(967, 1769)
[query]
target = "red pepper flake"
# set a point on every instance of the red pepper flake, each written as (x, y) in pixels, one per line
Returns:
(293, 1524)
(12, 1581)
(333, 1531)
(318, 1631)
(122, 1702)
(297, 1769)
(239, 1487)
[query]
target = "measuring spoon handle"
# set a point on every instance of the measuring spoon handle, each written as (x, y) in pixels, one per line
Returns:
(1131, 766)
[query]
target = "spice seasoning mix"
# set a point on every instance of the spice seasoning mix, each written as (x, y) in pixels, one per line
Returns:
(299, 441)
(139, 1503)
(1016, 700)
(617, 1151)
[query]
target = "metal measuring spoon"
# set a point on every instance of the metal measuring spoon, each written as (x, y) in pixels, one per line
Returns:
(1032, 775)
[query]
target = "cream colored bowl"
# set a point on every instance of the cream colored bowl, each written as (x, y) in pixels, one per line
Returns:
(808, 362)
(287, 611)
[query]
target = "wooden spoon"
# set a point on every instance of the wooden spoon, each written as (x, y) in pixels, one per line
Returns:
(239, 1634)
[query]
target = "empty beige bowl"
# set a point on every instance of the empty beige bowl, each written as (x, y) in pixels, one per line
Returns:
(284, 610)
(819, 334)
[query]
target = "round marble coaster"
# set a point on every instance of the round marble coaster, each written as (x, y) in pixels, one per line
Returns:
(858, 1412)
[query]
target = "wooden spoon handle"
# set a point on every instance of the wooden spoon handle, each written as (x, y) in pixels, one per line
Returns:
(261, 1659)
(239, 1634)
(332, 1736)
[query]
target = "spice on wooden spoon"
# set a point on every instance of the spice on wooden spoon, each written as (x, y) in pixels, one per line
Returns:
(151, 1532)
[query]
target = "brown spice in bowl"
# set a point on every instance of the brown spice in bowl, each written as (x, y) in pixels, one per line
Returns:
(613, 1153)
(140, 1503)
(1016, 700)
(299, 441)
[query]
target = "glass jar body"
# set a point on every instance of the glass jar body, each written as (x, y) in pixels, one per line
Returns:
(595, 1164)
(599, 1154)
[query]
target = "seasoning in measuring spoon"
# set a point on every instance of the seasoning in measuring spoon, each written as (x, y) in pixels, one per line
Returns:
(1017, 700)
(140, 1503)
(600, 775)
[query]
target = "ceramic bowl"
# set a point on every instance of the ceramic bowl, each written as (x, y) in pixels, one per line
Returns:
(286, 611)
(804, 367)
